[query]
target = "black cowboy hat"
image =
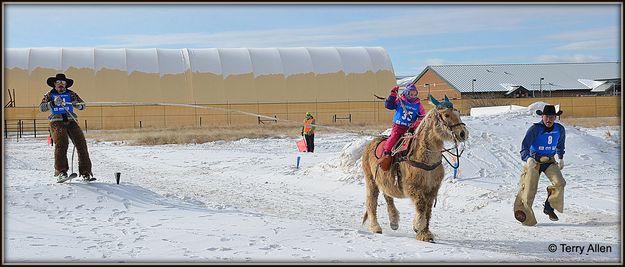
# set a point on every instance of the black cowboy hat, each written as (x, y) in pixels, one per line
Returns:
(549, 110)
(61, 77)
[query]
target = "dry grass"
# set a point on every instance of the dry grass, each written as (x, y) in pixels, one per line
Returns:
(227, 133)
(592, 122)
(154, 136)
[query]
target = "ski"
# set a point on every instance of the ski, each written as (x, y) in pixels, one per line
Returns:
(74, 175)
(67, 178)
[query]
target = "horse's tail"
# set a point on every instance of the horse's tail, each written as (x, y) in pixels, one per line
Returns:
(364, 217)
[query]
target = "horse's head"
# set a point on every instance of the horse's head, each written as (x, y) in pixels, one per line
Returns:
(447, 119)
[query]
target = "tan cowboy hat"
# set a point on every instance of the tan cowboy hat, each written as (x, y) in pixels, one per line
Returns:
(60, 77)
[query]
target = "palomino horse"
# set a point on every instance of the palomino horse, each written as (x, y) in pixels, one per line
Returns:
(421, 172)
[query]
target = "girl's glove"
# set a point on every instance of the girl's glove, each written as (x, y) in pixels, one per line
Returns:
(394, 90)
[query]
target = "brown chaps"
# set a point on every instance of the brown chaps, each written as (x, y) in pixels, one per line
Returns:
(529, 184)
(60, 131)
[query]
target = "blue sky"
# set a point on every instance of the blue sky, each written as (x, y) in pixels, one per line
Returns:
(414, 35)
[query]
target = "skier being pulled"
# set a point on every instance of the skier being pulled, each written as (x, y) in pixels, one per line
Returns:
(60, 101)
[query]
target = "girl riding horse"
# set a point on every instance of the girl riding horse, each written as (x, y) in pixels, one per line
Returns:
(408, 115)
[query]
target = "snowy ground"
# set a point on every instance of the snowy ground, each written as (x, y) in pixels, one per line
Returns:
(245, 201)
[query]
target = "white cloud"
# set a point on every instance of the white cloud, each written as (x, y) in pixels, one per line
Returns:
(434, 61)
(592, 44)
(415, 67)
(596, 38)
(587, 34)
(467, 48)
(570, 58)
(332, 35)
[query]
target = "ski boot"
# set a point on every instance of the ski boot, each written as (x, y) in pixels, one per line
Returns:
(87, 177)
(62, 177)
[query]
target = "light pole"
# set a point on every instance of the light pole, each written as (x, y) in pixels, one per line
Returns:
(473, 88)
(540, 85)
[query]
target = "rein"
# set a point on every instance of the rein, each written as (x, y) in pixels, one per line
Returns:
(455, 125)
(429, 167)
(457, 155)
(422, 165)
(416, 164)
(448, 150)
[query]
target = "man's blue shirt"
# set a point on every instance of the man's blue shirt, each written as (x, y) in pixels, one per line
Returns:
(538, 141)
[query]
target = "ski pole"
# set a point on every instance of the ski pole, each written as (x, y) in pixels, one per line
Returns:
(74, 149)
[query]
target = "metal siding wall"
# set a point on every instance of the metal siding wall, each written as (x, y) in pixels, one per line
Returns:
(42, 63)
(269, 79)
(116, 117)
(78, 65)
(329, 80)
(239, 81)
(111, 77)
(239, 118)
(173, 83)
(213, 115)
(16, 76)
(359, 76)
(16, 80)
(383, 76)
(300, 78)
(144, 77)
(207, 79)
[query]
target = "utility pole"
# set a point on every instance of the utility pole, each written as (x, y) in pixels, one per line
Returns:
(473, 88)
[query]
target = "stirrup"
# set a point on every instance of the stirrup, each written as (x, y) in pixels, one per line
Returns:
(397, 147)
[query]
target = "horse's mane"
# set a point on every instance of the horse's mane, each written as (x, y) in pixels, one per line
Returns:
(427, 121)
(428, 124)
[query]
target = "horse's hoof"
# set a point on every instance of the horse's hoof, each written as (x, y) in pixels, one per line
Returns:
(426, 239)
(394, 226)
(425, 236)
(376, 230)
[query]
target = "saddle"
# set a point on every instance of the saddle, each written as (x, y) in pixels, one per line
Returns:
(398, 153)
(399, 149)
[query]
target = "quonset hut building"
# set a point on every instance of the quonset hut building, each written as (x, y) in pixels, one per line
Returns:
(280, 82)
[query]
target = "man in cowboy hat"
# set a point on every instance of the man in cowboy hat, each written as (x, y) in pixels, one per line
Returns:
(60, 102)
(542, 142)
